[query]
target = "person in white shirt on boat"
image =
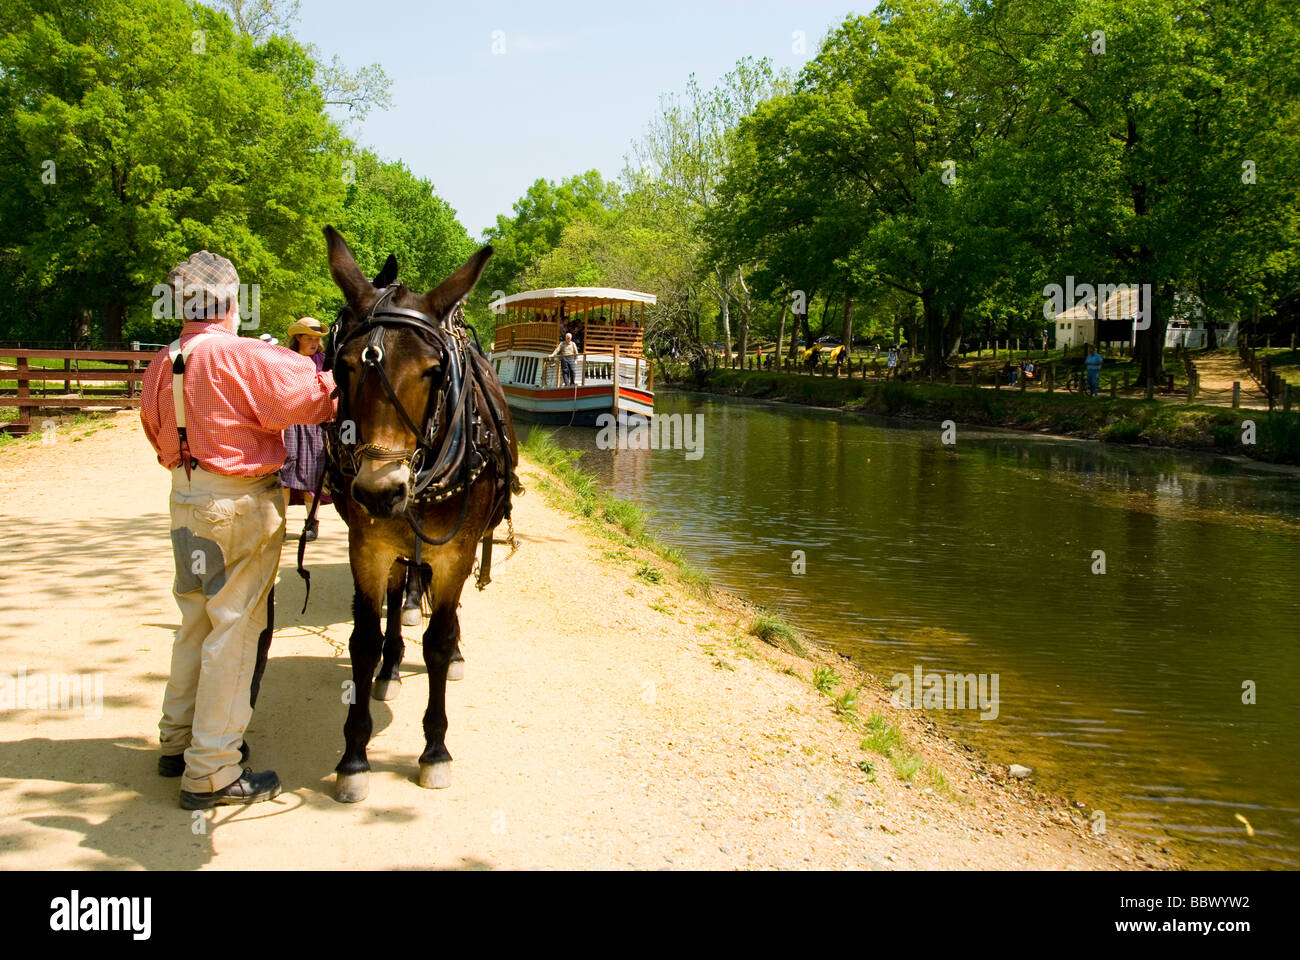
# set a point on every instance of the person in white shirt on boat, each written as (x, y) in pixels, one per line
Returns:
(566, 351)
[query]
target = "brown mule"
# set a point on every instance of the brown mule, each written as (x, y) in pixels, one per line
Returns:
(421, 468)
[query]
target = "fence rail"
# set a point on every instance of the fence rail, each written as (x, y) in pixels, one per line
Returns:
(93, 387)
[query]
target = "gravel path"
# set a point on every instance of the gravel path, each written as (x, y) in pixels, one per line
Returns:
(590, 731)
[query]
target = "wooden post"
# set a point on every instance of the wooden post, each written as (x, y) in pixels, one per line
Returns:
(1113, 384)
(615, 392)
(67, 367)
(24, 393)
(1286, 396)
(1236, 393)
(1051, 378)
(1126, 380)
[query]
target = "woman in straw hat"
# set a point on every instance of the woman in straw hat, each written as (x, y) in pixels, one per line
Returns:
(305, 445)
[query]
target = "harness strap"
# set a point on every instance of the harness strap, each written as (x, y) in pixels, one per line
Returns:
(302, 541)
(178, 356)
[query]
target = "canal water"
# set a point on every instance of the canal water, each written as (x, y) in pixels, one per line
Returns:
(1123, 689)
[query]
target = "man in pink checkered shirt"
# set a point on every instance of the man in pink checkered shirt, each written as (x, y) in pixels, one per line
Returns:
(227, 522)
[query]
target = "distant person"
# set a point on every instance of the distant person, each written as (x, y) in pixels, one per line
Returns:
(566, 351)
(837, 357)
(1092, 363)
(1029, 369)
(304, 444)
(1008, 374)
(892, 362)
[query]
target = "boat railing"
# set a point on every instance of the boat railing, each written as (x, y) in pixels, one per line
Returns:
(603, 337)
(540, 335)
(632, 372)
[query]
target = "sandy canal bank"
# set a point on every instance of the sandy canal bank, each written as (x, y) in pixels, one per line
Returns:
(604, 721)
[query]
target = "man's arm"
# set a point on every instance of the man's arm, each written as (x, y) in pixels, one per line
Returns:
(150, 416)
(292, 391)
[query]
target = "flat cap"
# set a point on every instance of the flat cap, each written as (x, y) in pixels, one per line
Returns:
(205, 285)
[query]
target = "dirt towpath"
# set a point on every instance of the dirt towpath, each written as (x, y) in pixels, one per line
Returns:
(591, 730)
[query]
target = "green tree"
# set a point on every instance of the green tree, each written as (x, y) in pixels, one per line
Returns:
(136, 131)
(1167, 137)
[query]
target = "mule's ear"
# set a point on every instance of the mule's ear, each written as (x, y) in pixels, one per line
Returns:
(387, 274)
(439, 301)
(344, 269)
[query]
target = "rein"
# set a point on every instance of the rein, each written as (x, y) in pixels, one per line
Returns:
(438, 471)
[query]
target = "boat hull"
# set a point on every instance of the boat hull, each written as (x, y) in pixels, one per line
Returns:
(577, 405)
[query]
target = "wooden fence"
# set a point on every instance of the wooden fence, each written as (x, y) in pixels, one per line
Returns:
(75, 387)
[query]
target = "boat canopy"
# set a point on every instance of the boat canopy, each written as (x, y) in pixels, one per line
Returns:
(573, 299)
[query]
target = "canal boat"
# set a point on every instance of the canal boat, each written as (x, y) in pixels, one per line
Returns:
(610, 371)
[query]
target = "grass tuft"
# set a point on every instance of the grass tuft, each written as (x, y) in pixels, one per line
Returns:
(775, 631)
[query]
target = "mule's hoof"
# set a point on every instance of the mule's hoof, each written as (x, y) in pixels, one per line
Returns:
(385, 689)
(410, 616)
(456, 670)
(435, 776)
(351, 787)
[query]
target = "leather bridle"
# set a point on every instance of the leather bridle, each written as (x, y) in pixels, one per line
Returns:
(433, 471)
(470, 438)
(438, 472)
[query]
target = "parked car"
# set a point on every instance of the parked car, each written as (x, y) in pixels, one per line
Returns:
(828, 342)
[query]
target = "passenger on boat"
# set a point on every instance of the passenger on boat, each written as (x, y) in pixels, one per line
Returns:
(566, 351)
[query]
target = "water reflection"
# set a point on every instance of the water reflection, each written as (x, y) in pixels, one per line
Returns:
(1123, 689)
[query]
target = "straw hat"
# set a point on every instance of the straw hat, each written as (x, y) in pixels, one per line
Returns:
(307, 327)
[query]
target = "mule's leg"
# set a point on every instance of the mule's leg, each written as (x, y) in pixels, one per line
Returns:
(456, 669)
(440, 642)
(389, 683)
(416, 578)
(352, 783)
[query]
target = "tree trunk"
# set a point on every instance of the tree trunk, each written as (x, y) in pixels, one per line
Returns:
(1150, 347)
(846, 335)
(953, 331)
(934, 342)
(726, 326)
(113, 317)
(825, 310)
(780, 336)
(801, 327)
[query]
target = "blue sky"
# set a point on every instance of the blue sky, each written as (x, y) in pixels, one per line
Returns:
(577, 83)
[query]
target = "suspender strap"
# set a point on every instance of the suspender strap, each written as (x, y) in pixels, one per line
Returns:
(178, 357)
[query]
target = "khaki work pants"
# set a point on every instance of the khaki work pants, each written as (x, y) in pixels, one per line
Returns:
(226, 536)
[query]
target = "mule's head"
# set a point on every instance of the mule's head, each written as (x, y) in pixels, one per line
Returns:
(412, 362)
